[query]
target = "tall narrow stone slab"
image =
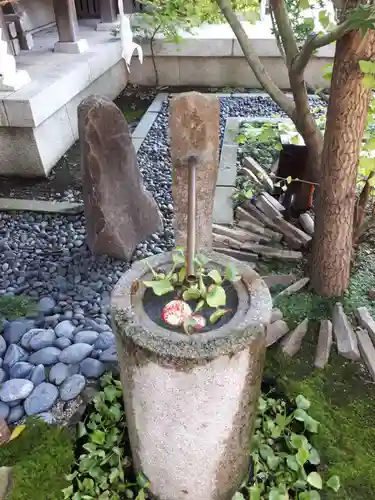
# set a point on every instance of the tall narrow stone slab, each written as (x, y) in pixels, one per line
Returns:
(119, 212)
(292, 343)
(194, 132)
(323, 349)
(346, 339)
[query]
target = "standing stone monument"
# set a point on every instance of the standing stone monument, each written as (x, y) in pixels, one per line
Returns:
(119, 212)
(194, 132)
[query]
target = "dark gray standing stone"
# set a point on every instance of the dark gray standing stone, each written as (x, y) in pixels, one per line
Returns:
(119, 212)
(46, 305)
(3, 375)
(14, 354)
(16, 413)
(65, 329)
(47, 356)
(21, 369)
(42, 339)
(75, 353)
(59, 373)
(86, 337)
(3, 345)
(15, 329)
(72, 387)
(38, 375)
(194, 125)
(109, 355)
(62, 342)
(4, 410)
(41, 399)
(14, 389)
(92, 368)
(105, 341)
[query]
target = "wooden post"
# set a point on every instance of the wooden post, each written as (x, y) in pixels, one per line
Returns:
(66, 20)
(108, 11)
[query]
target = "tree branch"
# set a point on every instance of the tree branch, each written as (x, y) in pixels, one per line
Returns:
(285, 102)
(316, 42)
(285, 30)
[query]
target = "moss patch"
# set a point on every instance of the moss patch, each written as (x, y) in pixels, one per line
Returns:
(40, 457)
(342, 398)
(16, 307)
(344, 403)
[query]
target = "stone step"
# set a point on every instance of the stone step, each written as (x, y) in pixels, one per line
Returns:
(274, 202)
(323, 349)
(265, 206)
(276, 315)
(222, 241)
(279, 279)
(273, 253)
(295, 287)
(346, 339)
(293, 341)
(275, 331)
(367, 350)
(238, 234)
(239, 255)
(58, 207)
(258, 214)
(244, 215)
(248, 173)
(366, 321)
(292, 231)
(250, 163)
(307, 223)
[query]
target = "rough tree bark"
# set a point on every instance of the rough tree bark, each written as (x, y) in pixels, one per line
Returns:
(346, 119)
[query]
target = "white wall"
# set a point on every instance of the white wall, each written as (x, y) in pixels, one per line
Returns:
(39, 12)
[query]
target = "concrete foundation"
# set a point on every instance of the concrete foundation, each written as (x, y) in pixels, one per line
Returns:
(191, 399)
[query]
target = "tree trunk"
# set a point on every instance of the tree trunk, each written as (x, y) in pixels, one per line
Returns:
(346, 119)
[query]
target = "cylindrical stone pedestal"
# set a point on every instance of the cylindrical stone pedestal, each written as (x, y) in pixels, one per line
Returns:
(190, 400)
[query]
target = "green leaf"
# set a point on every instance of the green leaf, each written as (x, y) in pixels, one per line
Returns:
(201, 260)
(367, 67)
(302, 456)
(273, 462)
(302, 402)
(216, 296)
(199, 306)
(292, 463)
(110, 393)
(178, 257)
(90, 447)
(324, 19)
(231, 273)
(334, 483)
(215, 276)
(192, 293)
(238, 496)
(311, 425)
(142, 480)
(299, 441)
(300, 415)
(266, 451)
(202, 287)
(304, 4)
(289, 179)
(215, 316)
(309, 495)
(141, 495)
(81, 430)
(98, 437)
(182, 275)
(315, 480)
(314, 457)
(255, 493)
(160, 287)
(77, 496)
(368, 81)
(189, 325)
